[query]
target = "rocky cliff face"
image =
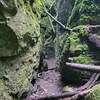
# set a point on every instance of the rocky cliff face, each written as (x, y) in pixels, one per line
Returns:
(19, 48)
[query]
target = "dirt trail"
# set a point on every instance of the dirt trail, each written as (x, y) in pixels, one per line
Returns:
(48, 82)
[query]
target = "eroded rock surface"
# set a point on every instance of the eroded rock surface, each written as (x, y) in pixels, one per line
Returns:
(19, 48)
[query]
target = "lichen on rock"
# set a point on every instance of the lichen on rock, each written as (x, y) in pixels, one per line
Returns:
(19, 50)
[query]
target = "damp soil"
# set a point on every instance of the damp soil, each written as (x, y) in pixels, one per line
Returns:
(48, 82)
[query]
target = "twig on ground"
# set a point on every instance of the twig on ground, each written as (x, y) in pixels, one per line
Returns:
(93, 78)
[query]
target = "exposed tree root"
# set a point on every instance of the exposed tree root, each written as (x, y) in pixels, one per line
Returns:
(86, 88)
(58, 96)
(75, 94)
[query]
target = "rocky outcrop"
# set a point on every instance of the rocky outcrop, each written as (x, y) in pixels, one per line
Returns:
(19, 48)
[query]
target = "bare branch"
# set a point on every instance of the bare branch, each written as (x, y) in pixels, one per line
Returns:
(66, 28)
(3, 3)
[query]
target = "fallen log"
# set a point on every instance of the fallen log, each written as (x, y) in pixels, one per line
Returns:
(92, 68)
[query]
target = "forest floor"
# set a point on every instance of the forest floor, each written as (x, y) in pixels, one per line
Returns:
(48, 82)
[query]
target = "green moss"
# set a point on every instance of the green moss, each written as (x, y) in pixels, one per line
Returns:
(61, 46)
(94, 93)
(38, 7)
(75, 15)
(4, 95)
(85, 12)
(20, 36)
(82, 59)
(76, 44)
(8, 41)
(74, 48)
(45, 24)
(90, 12)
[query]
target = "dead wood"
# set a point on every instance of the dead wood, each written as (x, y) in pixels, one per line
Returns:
(92, 68)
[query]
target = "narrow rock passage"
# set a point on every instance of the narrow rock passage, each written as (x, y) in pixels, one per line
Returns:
(48, 82)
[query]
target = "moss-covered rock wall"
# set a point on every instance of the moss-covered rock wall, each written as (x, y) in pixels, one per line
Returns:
(19, 48)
